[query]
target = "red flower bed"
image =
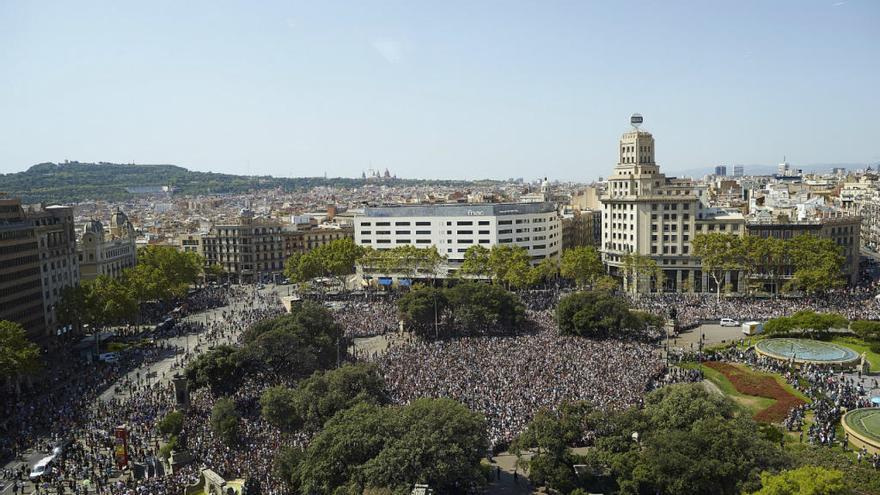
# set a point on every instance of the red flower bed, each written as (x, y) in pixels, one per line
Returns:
(748, 383)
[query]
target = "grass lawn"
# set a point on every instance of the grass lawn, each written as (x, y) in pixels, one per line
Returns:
(860, 346)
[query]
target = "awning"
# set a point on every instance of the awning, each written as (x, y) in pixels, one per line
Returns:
(384, 280)
(405, 282)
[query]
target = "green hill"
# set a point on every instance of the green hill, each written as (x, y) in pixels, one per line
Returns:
(75, 182)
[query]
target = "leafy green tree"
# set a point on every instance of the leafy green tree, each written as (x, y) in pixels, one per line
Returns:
(606, 283)
(639, 269)
(111, 300)
(164, 273)
(421, 309)
(476, 262)
(278, 407)
(817, 264)
(221, 369)
(171, 424)
(225, 420)
(336, 259)
(581, 264)
(805, 322)
(479, 306)
(297, 344)
(866, 329)
(688, 441)
(545, 270)
(806, 480)
(433, 441)
(214, 271)
(19, 357)
(720, 255)
(318, 398)
(596, 314)
(510, 265)
(551, 434)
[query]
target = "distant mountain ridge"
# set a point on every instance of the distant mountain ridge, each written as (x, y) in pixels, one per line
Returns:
(72, 182)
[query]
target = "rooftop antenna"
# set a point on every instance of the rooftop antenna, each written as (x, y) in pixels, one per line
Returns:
(636, 120)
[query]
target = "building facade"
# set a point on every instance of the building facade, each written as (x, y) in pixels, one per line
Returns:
(59, 263)
(648, 214)
(106, 251)
(21, 289)
(250, 250)
(581, 228)
(453, 228)
(303, 241)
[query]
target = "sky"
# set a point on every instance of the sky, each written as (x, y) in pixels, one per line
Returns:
(452, 89)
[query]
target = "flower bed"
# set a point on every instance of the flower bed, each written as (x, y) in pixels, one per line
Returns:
(749, 383)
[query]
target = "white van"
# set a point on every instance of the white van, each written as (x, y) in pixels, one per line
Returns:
(729, 322)
(109, 357)
(41, 467)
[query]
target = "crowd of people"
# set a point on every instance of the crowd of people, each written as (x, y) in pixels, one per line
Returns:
(858, 303)
(509, 378)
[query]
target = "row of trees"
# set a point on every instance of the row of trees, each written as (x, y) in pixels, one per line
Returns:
(808, 263)
(162, 274)
(506, 265)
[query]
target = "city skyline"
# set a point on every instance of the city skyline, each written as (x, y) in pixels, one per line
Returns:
(452, 91)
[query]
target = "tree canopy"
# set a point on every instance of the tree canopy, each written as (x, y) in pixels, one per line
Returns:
(221, 369)
(422, 308)
(599, 314)
(19, 357)
(479, 306)
(336, 259)
(805, 322)
(318, 398)
(806, 480)
(433, 441)
(581, 264)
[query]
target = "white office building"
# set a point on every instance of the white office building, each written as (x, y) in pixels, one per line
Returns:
(453, 228)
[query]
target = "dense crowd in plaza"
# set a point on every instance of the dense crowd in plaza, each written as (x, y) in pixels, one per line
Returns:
(509, 378)
(692, 309)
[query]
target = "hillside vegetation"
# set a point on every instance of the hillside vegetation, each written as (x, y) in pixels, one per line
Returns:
(76, 182)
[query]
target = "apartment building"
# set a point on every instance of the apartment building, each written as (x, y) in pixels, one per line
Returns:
(55, 232)
(249, 250)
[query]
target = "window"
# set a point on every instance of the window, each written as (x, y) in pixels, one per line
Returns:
(504, 222)
(402, 224)
(366, 232)
(383, 232)
(423, 232)
(365, 224)
(483, 232)
(401, 232)
(484, 241)
(483, 222)
(423, 241)
(383, 241)
(468, 222)
(383, 224)
(464, 232)
(465, 241)
(423, 224)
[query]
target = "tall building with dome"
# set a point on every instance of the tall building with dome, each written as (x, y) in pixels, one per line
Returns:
(646, 213)
(106, 251)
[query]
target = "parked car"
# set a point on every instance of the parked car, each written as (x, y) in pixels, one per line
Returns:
(109, 357)
(729, 322)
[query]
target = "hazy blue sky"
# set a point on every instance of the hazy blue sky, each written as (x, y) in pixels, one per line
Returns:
(437, 89)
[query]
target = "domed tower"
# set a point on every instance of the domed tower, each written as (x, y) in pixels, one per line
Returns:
(93, 230)
(119, 225)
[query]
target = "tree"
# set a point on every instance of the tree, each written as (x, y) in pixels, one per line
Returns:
(550, 434)
(806, 480)
(434, 441)
(214, 271)
(866, 329)
(805, 321)
(318, 398)
(221, 369)
(224, 420)
(163, 273)
(422, 308)
(543, 271)
(278, 407)
(606, 283)
(689, 441)
(111, 300)
(763, 257)
(720, 255)
(638, 267)
(476, 305)
(297, 344)
(510, 265)
(817, 264)
(595, 314)
(171, 424)
(476, 262)
(19, 357)
(336, 259)
(581, 264)
(77, 306)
